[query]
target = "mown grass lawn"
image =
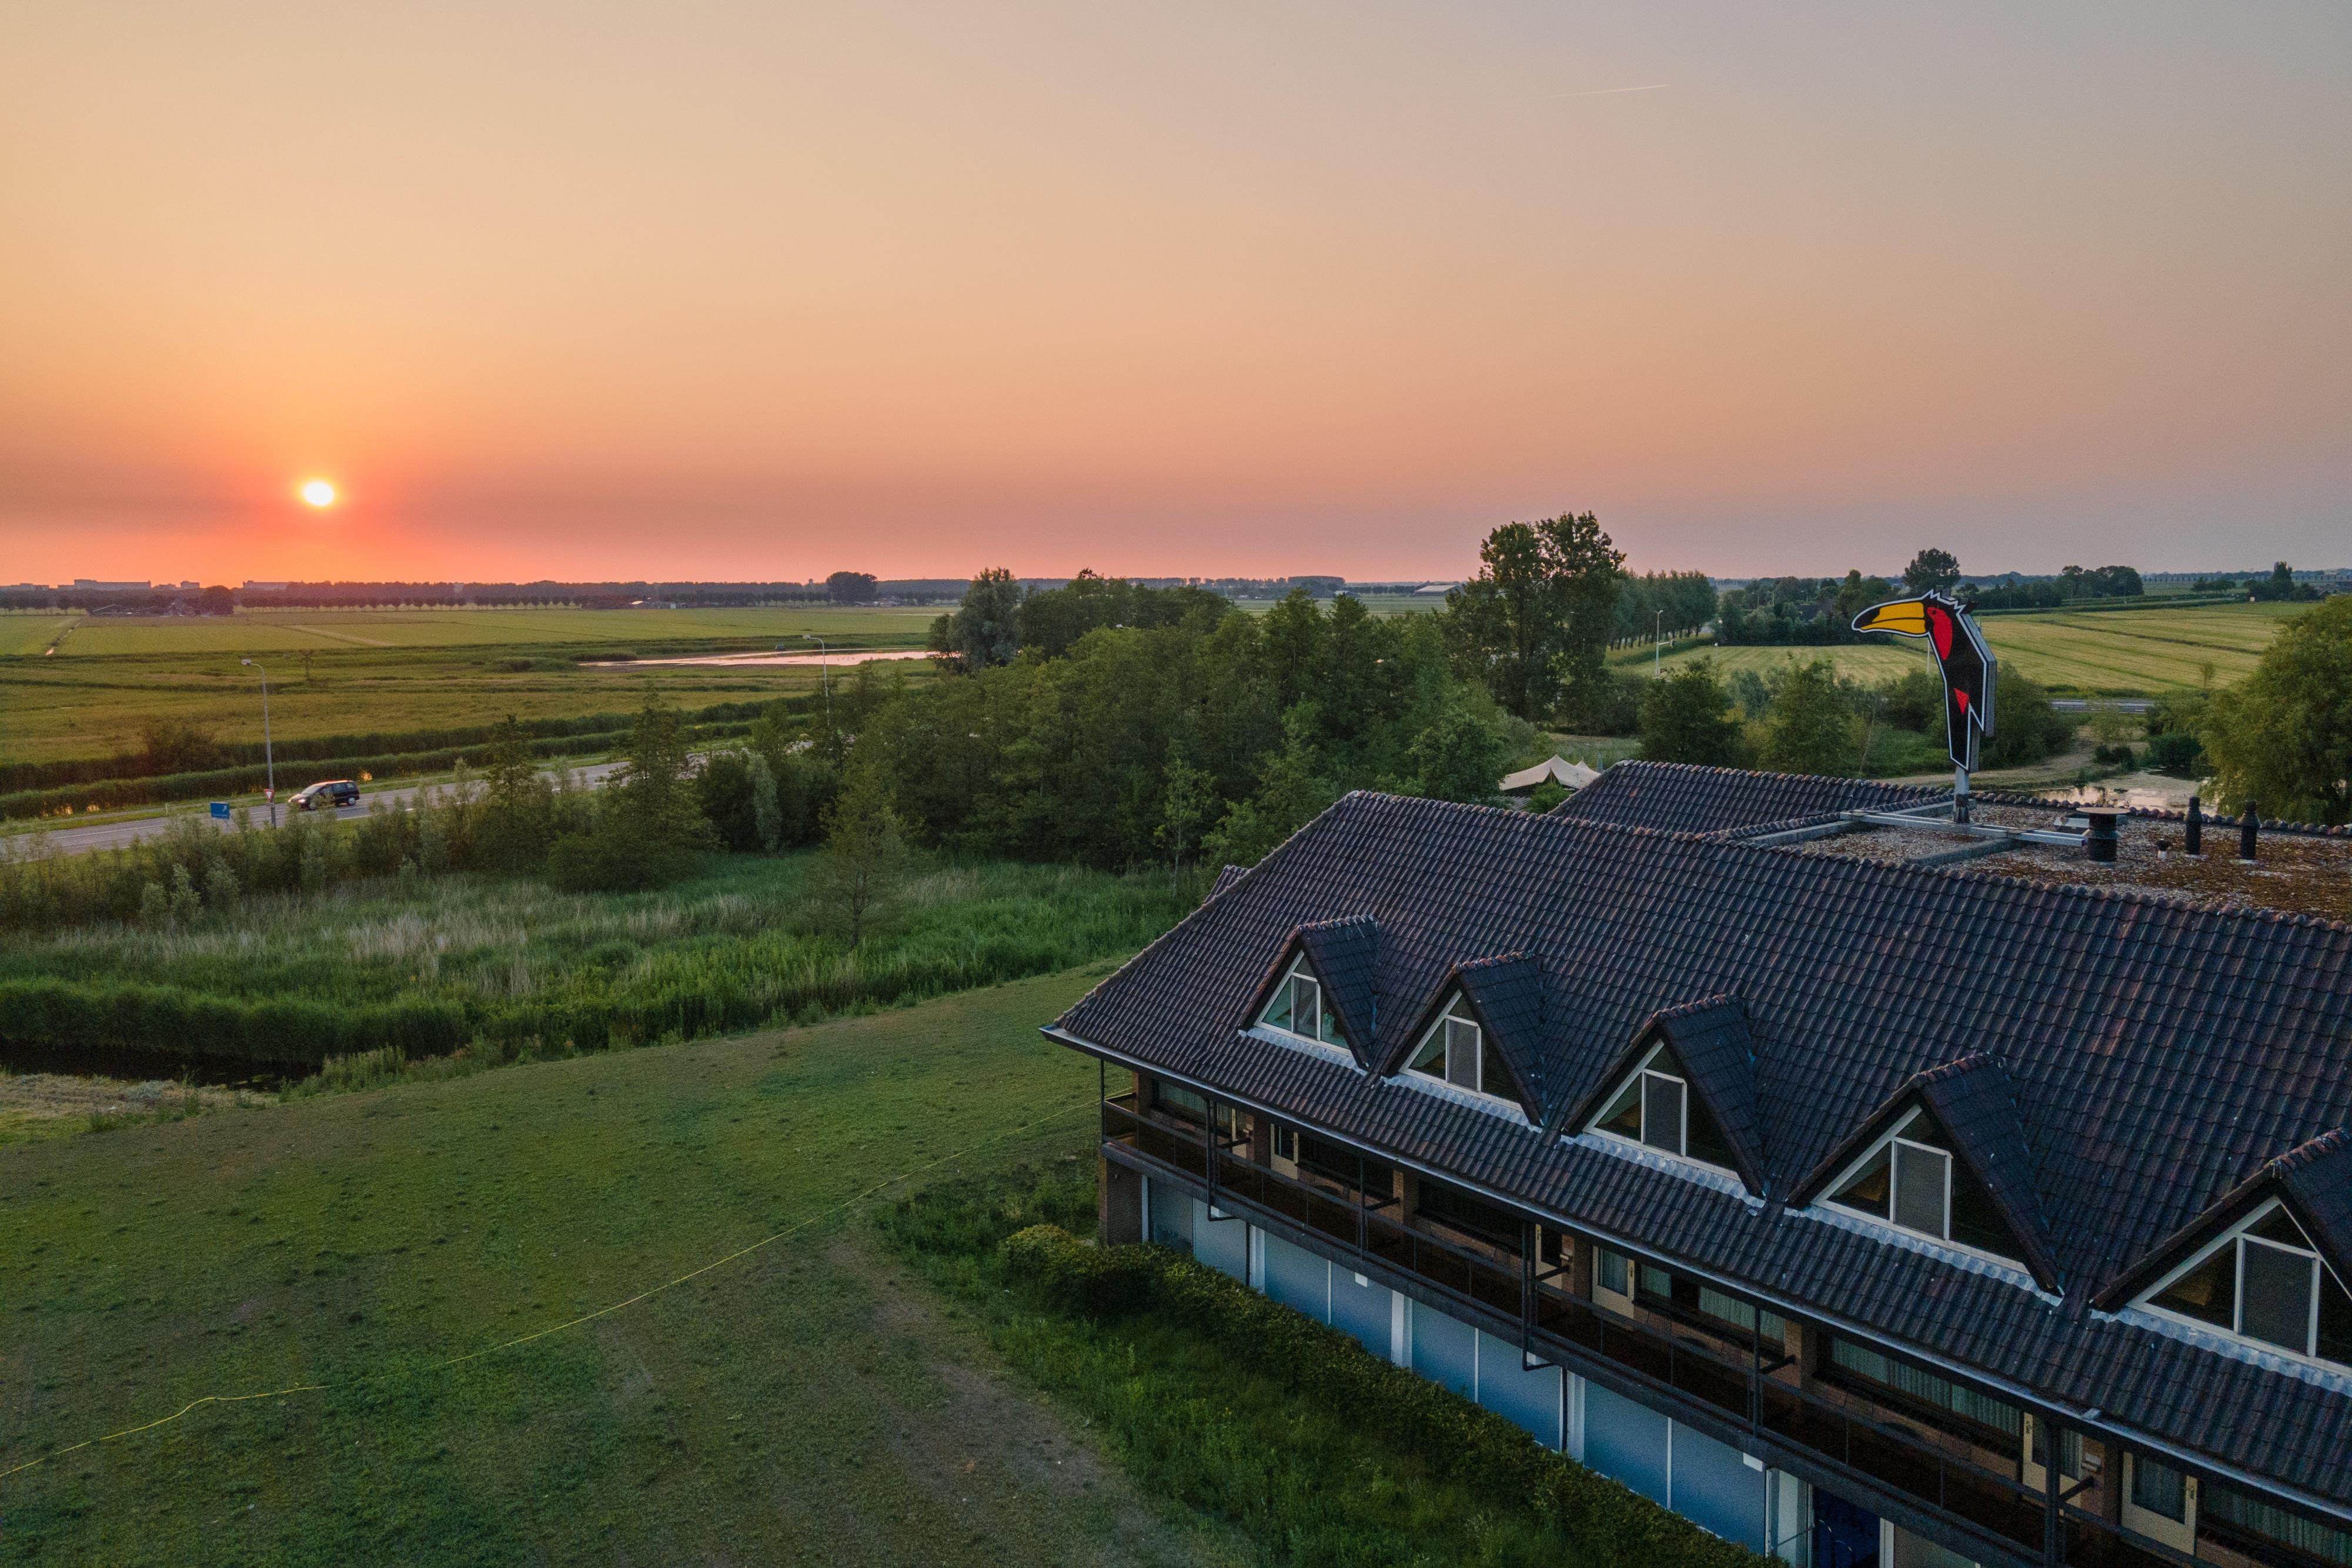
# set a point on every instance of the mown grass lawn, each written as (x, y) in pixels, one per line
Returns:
(802, 1403)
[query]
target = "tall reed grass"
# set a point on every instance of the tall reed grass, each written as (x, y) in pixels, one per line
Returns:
(425, 967)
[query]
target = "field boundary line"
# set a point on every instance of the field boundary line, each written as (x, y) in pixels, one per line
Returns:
(741, 1252)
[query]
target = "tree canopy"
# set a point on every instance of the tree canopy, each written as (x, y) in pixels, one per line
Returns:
(1931, 568)
(2282, 737)
(1536, 622)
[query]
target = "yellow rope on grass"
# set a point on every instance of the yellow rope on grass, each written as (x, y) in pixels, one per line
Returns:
(741, 1252)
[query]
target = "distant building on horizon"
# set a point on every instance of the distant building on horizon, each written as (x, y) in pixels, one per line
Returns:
(95, 586)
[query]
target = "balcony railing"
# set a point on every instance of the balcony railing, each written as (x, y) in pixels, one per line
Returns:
(1701, 1365)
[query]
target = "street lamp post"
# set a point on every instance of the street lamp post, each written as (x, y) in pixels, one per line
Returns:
(825, 666)
(268, 756)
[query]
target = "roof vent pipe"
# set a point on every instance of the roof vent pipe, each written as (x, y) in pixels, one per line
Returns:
(2194, 843)
(2100, 842)
(2247, 826)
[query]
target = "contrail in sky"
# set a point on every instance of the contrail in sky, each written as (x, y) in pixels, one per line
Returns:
(1606, 91)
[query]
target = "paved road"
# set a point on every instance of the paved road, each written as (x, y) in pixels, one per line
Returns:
(114, 835)
(2121, 705)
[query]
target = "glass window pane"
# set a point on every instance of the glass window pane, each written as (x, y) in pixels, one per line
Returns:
(2159, 1489)
(1306, 1006)
(1277, 1011)
(2334, 1319)
(1432, 1058)
(1462, 1053)
(1613, 1272)
(1494, 1074)
(1868, 1190)
(2279, 1226)
(1919, 1176)
(1662, 1112)
(2208, 1293)
(1623, 1115)
(2275, 1303)
(1975, 1221)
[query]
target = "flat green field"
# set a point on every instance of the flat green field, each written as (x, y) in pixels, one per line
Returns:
(2132, 653)
(802, 1402)
(885, 627)
(391, 670)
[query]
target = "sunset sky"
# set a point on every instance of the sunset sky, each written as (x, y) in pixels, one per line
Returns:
(763, 290)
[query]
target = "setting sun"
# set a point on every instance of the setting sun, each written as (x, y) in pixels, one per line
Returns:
(318, 493)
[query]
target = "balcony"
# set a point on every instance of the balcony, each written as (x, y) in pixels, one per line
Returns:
(1700, 1370)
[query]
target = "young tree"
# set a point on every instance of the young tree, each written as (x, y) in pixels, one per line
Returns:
(985, 631)
(517, 807)
(1811, 727)
(864, 856)
(1587, 572)
(1686, 718)
(2026, 727)
(767, 804)
(653, 798)
(1191, 796)
(2282, 737)
(1539, 613)
(1929, 569)
(1458, 758)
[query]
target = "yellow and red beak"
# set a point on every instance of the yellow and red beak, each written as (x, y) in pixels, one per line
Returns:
(1905, 617)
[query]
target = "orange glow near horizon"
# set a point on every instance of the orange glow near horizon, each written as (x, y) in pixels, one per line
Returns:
(737, 292)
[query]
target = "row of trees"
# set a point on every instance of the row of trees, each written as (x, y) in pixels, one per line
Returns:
(1804, 717)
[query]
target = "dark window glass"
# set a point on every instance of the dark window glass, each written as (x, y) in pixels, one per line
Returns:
(2334, 1319)
(1868, 1190)
(1919, 1194)
(1623, 1116)
(2069, 1450)
(1277, 1011)
(1925, 1386)
(1461, 1053)
(1336, 1162)
(2274, 1301)
(2219, 1503)
(1285, 1143)
(2159, 1489)
(1922, 1129)
(2279, 1226)
(1976, 1222)
(1615, 1271)
(1662, 1112)
(1178, 1100)
(1707, 1139)
(2209, 1291)
(1454, 1206)
(1494, 1074)
(1432, 1058)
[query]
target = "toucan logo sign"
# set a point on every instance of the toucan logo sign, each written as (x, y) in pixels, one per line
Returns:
(1961, 657)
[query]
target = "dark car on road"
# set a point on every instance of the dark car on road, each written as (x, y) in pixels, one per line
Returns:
(324, 796)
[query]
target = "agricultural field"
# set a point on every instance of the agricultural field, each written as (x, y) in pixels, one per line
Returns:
(390, 672)
(805, 1401)
(2131, 653)
(21, 632)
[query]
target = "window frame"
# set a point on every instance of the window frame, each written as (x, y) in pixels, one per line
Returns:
(2238, 1236)
(1636, 1079)
(1302, 970)
(1885, 1144)
(1458, 1010)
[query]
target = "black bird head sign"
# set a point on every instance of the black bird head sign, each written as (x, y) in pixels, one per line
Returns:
(1961, 653)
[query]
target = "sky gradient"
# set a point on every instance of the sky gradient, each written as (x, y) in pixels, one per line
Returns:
(760, 291)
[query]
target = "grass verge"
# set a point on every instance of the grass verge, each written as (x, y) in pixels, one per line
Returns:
(1220, 1400)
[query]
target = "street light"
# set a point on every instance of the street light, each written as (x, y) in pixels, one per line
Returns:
(825, 665)
(269, 757)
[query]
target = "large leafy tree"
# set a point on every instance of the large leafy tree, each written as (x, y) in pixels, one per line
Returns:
(1811, 726)
(1539, 616)
(1688, 717)
(2282, 737)
(1931, 568)
(985, 630)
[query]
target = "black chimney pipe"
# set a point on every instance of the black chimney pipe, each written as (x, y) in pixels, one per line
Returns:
(2195, 841)
(2247, 825)
(2100, 840)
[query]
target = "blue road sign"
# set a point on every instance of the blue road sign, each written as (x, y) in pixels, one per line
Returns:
(220, 810)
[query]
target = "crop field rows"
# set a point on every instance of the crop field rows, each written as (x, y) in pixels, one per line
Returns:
(293, 630)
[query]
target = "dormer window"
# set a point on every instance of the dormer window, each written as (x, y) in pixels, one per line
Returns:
(2265, 1282)
(1456, 1050)
(1911, 1180)
(1655, 1107)
(1297, 1008)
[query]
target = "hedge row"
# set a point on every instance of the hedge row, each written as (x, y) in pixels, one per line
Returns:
(1461, 1442)
(295, 1031)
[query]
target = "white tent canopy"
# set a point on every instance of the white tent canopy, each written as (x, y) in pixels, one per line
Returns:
(1553, 769)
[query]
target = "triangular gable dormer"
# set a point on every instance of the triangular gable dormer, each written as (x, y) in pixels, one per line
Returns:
(1685, 1086)
(1481, 1032)
(2268, 1262)
(1944, 1157)
(1320, 988)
